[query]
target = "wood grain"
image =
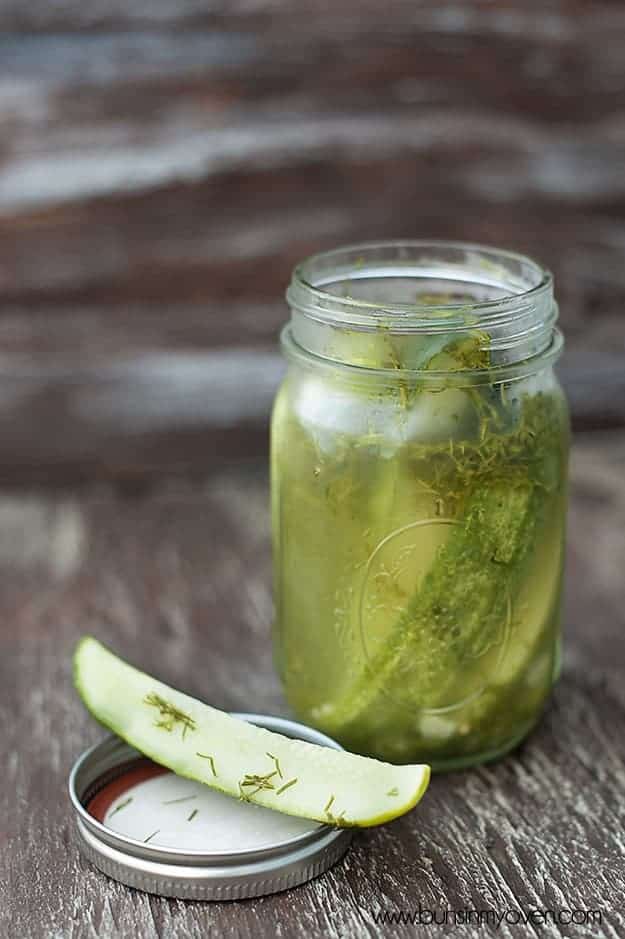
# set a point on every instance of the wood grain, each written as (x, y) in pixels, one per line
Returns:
(163, 167)
(178, 580)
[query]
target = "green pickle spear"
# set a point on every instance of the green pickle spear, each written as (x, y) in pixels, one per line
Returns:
(237, 758)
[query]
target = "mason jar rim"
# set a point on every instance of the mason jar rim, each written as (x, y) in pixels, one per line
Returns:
(306, 294)
(499, 374)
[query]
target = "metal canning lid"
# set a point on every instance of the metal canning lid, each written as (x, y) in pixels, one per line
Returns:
(99, 787)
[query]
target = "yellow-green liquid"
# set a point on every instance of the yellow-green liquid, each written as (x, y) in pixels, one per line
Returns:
(418, 545)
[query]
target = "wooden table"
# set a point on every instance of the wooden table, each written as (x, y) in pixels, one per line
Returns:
(178, 579)
(162, 167)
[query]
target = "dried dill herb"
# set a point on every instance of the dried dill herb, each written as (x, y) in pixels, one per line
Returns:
(170, 716)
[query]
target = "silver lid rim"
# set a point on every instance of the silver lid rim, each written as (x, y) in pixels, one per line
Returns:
(189, 874)
(198, 883)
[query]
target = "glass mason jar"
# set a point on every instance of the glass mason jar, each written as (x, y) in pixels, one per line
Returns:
(419, 460)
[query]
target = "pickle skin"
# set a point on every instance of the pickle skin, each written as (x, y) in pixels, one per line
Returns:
(477, 562)
(462, 600)
(246, 762)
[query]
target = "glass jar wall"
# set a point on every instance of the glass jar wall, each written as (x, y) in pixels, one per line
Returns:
(419, 454)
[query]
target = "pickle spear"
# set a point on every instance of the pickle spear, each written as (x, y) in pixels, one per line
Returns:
(237, 758)
(463, 600)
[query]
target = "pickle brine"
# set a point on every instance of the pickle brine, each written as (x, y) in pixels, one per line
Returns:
(418, 545)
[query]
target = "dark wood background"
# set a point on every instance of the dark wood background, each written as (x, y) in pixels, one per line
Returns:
(162, 167)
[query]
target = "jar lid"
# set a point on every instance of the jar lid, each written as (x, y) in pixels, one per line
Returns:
(144, 826)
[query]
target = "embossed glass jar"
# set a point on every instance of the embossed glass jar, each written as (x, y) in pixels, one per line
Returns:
(419, 456)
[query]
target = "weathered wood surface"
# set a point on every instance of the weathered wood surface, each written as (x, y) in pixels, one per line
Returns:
(163, 166)
(178, 579)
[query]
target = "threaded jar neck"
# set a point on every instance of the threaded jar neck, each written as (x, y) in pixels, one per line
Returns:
(347, 303)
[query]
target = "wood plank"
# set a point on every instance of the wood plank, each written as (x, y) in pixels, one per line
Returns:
(238, 231)
(133, 420)
(159, 161)
(179, 580)
(561, 21)
(94, 396)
